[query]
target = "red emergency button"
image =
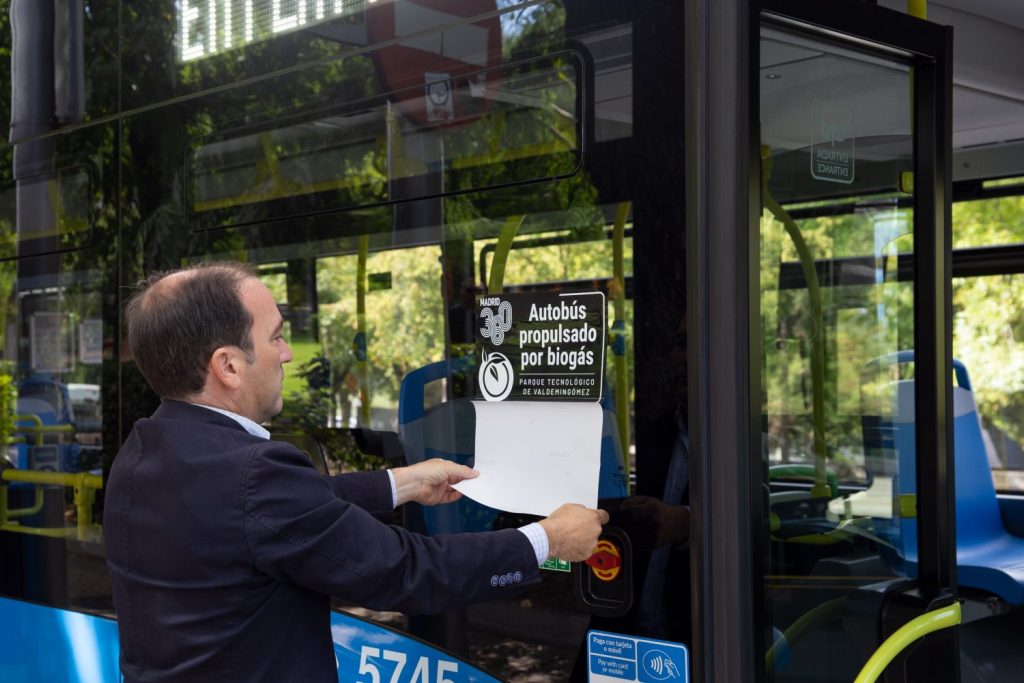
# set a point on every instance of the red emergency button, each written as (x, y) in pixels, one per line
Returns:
(606, 562)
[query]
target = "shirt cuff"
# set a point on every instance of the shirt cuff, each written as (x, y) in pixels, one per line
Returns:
(394, 489)
(538, 539)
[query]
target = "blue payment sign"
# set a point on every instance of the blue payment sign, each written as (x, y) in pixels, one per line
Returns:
(615, 658)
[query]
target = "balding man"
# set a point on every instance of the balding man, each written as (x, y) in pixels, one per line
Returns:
(223, 546)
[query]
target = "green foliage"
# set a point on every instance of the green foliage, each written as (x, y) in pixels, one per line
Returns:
(310, 411)
(8, 400)
(860, 323)
(988, 331)
(866, 321)
(988, 320)
(404, 324)
(988, 222)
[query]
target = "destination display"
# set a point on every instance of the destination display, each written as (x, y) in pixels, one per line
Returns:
(209, 27)
(544, 346)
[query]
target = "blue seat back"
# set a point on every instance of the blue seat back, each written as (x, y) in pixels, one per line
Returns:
(978, 519)
(989, 558)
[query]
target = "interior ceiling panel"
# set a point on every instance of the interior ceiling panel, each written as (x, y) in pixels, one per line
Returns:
(1007, 12)
(985, 119)
(794, 75)
(988, 67)
(988, 86)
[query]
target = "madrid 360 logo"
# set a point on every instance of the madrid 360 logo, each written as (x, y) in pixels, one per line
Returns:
(496, 376)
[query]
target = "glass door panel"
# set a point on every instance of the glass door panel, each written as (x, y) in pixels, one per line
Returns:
(837, 344)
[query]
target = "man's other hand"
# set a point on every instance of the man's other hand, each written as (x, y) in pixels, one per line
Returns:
(573, 531)
(430, 482)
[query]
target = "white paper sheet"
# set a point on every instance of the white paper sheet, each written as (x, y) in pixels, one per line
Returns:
(533, 457)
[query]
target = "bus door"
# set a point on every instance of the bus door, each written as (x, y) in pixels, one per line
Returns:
(848, 387)
(385, 212)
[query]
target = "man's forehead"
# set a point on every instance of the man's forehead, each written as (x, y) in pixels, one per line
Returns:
(254, 288)
(259, 299)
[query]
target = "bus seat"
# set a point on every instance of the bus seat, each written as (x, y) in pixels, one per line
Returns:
(989, 558)
(448, 430)
(38, 407)
(49, 451)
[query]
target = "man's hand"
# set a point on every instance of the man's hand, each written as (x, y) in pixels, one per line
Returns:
(573, 531)
(429, 482)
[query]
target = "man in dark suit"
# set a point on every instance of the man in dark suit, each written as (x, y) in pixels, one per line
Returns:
(223, 546)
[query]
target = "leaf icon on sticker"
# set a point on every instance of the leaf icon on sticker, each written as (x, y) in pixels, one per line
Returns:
(495, 377)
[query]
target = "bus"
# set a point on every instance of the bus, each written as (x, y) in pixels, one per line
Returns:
(797, 228)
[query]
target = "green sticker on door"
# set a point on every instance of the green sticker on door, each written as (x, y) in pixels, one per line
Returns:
(556, 565)
(832, 146)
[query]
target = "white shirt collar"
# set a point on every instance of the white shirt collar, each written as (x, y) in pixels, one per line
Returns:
(247, 424)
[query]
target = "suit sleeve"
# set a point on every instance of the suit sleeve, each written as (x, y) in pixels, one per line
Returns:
(299, 531)
(369, 490)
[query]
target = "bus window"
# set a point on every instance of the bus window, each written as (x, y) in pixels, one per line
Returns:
(988, 334)
(58, 422)
(990, 222)
(64, 221)
(51, 374)
(865, 311)
(379, 198)
(524, 126)
(378, 316)
(378, 226)
(552, 257)
(987, 327)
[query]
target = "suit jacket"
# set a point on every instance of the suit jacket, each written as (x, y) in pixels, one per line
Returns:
(223, 549)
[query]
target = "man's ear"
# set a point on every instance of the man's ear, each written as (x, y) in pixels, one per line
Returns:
(226, 365)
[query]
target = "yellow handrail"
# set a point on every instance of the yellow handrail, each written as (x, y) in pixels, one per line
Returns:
(93, 481)
(38, 428)
(496, 281)
(825, 612)
(910, 632)
(821, 449)
(618, 331)
(85, 486)
(362, 342)
(34, 509)
(28, 417)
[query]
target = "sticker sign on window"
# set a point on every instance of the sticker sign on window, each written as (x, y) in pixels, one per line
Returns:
(541, 346)
(618, 658)
(832, 149)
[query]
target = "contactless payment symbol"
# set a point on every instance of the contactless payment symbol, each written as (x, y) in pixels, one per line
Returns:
(660, 666)
(495, 376)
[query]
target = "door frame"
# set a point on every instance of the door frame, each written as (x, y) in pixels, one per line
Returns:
(729, 521)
